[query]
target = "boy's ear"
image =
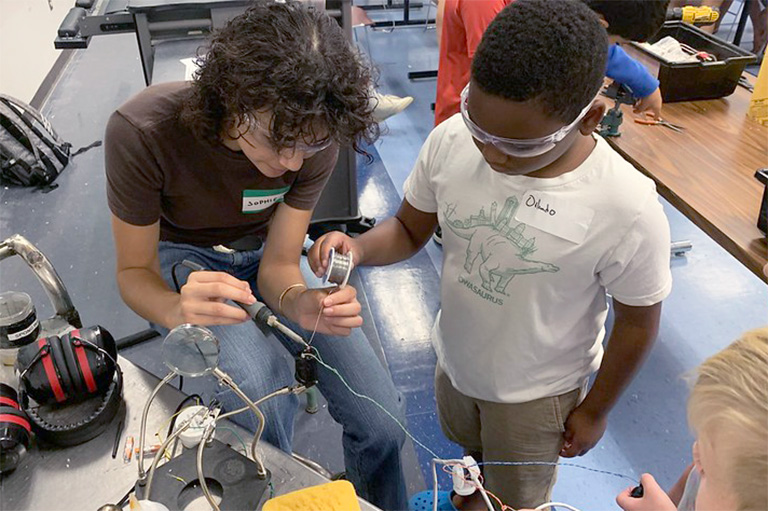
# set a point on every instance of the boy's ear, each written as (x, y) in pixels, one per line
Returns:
(593, 118)
(603, 21)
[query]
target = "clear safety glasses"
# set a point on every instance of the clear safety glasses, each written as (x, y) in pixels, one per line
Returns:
(520, 148)
(307, 150)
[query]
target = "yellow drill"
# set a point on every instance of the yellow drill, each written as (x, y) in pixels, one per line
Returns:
(699, 16)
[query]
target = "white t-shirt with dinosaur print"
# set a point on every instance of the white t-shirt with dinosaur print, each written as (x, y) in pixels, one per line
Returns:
(527, 263)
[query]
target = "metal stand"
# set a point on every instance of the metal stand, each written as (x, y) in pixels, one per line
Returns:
(405, 22)
(742, 21)
(422, 75)
(311, 400)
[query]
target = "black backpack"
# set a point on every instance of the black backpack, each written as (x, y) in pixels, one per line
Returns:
(31, 153)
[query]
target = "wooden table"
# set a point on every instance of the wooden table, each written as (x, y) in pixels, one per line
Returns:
(708, 171)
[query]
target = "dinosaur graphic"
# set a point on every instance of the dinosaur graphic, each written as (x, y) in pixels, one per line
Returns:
(502, 249)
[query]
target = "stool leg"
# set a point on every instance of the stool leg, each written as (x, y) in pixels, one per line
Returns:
(311, 400)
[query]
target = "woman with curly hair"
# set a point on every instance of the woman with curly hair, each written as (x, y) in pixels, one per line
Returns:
(225, 171)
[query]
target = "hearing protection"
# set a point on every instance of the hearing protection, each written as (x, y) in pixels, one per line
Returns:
(15, 430)
(78, 367)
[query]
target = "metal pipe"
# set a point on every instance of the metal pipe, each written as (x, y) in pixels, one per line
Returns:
(143, 432)
(275, 323)
(45, 273)
(226, 380)
(182, 427)
(199, 463)
(295, 389)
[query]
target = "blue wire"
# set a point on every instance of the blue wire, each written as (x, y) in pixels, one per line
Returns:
(557, 464)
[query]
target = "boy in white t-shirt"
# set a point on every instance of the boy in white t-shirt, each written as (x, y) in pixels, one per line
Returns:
(541, 219)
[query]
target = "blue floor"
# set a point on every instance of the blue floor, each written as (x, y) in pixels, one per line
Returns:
(714, 297)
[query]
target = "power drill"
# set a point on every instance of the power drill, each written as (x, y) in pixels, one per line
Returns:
(698, 16)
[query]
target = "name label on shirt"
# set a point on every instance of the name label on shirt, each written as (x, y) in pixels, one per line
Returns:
(555, 216)
(259, 200)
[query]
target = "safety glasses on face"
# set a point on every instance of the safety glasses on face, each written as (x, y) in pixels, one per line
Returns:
(307, 150)
(520, 148)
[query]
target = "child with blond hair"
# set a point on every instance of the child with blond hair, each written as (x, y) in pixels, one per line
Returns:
(728, 412)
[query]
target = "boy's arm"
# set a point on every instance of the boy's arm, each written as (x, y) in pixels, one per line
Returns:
(634, 332)
(399, 237)
(390, 241)
(626, 70)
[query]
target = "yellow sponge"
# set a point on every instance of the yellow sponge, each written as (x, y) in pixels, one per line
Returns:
(335, 496)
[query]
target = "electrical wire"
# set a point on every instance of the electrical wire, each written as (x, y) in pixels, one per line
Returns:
(415, 440)
(556, 464)
(436, 458)
(237, 435)
(555, 504)
(319, 315)
(180, 408)
(174, 267)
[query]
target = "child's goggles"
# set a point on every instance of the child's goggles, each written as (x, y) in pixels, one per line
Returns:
(520, 148)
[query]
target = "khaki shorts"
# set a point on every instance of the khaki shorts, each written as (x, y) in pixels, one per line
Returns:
(531, 431)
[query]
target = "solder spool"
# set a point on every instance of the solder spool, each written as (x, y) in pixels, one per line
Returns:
(339, 268)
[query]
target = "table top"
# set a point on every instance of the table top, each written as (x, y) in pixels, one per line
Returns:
(86, 476)
(707, 172)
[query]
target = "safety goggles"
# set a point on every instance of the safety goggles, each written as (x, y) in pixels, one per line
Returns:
(307, 150)
(520, 148)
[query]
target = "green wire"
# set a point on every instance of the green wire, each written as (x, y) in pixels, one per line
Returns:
(363, 396)
(242, 442)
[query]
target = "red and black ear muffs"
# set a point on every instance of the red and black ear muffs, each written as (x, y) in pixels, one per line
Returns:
(70, 368)
(15, 430)
(57, 371)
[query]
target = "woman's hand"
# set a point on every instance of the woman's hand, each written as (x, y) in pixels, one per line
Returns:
(340, 310)
(201, 300)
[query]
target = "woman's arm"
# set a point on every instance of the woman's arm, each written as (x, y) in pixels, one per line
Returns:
(279, 271)
(144, 290)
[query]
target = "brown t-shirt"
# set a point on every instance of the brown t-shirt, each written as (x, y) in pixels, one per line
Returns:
(203, 194)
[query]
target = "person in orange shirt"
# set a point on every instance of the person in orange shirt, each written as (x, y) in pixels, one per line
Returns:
(462, 27)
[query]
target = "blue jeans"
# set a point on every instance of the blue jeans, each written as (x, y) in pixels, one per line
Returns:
(259, 364)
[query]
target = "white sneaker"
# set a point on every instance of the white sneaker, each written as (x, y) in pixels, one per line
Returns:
(388, 105)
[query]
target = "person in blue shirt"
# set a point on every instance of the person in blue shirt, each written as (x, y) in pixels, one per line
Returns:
(632, 20)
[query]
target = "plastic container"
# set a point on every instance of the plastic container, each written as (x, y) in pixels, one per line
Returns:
(699, 80)
(19, 325)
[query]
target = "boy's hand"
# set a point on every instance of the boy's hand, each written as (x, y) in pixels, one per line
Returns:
(583, 430)
(341, 310)
(651, 103)
(653, 499)
(343, 244)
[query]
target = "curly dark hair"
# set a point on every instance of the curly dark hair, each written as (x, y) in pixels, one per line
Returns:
(634, 20)
(291, 60)
(550, 51)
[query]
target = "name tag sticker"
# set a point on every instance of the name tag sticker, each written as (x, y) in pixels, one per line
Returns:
(259, 200)
(555, 216)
